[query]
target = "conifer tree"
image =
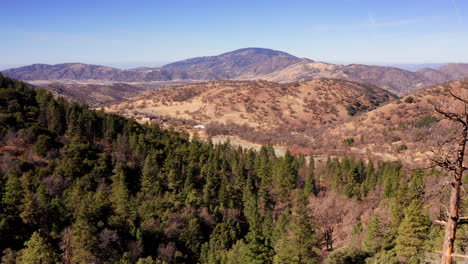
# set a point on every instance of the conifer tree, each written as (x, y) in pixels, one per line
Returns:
(13, 193)
(310, 187)
(150, 184)
(37, 251)
(374, 235)
(119, 194)
(299, 242)
(412, 232)
(257, 250)
(83, 242)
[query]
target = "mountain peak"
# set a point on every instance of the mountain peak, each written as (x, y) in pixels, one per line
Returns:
(258, 51)
(237, 64)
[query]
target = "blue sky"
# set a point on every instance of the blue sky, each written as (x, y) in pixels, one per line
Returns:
(150, 33)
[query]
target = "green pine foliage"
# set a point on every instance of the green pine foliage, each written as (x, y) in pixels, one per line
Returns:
(374, 236)
(412, 233)
(298, 243)
(37, 250)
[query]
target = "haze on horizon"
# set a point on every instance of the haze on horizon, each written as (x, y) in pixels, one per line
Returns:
(127, 34)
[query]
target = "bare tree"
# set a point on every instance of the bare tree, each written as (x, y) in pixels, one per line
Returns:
(453, 162)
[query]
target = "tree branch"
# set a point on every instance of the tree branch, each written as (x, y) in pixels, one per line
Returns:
(460, 256)
(463, 220)
(440, 222)
(457, 97)
(450, 116)
(454, 255)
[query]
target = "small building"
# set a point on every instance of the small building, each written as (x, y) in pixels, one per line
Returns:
(199, 126)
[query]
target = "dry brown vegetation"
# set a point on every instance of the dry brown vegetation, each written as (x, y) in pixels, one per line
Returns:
(407, 129)
(310, 117)
(259, 106)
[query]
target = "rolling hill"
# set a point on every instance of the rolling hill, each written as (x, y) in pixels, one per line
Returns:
(318, 117)
(395, 80)
(259, 105)
(408, 129)
(93, 94)
(84, 72)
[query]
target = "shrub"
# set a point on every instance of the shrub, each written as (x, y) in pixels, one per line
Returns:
(409, 100)
(348, 141)
(43, 144)
(402, 147)
(424, 121)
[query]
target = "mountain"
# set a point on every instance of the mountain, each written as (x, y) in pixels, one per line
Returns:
(395, 80)
(239, 64)
(258, 105)
(455, 71)
(445, 73)
(84, 72)
(415, 67)
(245, 64)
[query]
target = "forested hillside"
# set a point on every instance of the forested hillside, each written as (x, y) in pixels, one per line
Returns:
(84, 186)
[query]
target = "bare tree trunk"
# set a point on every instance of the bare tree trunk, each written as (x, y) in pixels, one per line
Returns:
(453, 215)
(451, 225)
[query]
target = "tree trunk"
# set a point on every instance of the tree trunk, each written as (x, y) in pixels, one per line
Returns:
(454, 210)
(451, 226)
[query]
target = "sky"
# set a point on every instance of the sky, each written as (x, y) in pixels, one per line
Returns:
(128, 34)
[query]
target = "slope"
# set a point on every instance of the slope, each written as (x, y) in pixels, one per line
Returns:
(407, 129)
(395, 80)
(93, 94)
(261, 105)
(84, 72)
(238, 64)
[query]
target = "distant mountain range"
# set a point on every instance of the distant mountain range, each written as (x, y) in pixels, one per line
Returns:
(246, 64)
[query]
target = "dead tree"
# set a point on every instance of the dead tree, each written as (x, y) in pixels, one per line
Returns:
(453, 162)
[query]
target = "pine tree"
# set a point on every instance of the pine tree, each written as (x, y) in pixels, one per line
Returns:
(412, 233)
(37, 250)
(119, 194)
(13, 193)
(298, 245)
(150, 184)
(285, 175)
(374, 235)
(310, 187)
(83, 242)
(258, 252)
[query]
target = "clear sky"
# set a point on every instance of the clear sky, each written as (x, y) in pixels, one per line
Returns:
(152, 32)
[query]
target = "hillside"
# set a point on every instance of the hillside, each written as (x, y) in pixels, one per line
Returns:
(93, 94)
(321, 117)
(84, 72)
(260, 105)
(407, 129)
(455, 71)
(395, 80)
